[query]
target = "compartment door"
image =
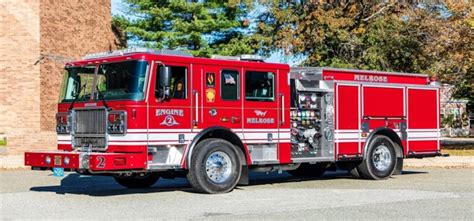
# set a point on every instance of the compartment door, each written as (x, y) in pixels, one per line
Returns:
(347, 136)
(423, 121)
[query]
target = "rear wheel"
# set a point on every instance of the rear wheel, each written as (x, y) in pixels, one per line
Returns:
(308, 170)
(215, 166)
(380, 159)
(137, 180)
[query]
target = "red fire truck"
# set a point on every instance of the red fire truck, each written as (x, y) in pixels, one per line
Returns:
(141, 114)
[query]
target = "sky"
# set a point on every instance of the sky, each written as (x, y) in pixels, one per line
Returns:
(276, 57)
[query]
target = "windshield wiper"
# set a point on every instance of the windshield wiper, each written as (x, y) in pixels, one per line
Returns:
(76, 97)
(102, 97)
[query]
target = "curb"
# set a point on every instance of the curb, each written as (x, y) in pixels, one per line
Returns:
(441, 162)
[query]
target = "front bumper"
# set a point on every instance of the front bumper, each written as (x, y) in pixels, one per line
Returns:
(87, 160)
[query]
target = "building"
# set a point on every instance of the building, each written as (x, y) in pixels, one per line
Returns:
(37, 37)
(454, 116)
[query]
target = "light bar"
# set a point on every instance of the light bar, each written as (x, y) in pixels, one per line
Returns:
(252, 57)
(244, 57)
(223, 57)
(136, 50)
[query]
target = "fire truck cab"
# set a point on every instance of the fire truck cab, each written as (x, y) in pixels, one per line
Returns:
(142, 114)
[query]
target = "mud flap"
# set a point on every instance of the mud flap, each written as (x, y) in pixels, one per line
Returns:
(244, 177)
(354, 172)
(398, 166)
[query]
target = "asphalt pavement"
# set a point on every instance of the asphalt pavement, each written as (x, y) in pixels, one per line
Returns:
(431, 194)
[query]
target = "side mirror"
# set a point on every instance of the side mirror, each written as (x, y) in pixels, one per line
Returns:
(164, 82)
(165, 76)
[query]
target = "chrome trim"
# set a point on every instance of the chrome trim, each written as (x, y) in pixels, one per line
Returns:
(196, 107)
(90, 127)
(313, 159)
(322, 69)
(283, 109)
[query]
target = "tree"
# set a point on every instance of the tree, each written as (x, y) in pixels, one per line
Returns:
(203, 28)
(435, 39)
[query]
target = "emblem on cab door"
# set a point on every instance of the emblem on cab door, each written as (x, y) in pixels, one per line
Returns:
(169, 121)
(210, 80)
(210, 95)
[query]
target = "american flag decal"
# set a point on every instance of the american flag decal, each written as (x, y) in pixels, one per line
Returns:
(229, 79)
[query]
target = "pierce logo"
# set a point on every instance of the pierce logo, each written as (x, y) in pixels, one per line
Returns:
(260, 113)
(169, 121)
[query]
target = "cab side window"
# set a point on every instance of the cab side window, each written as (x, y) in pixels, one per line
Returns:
(230, 84)
(178, 88)
(259, 86)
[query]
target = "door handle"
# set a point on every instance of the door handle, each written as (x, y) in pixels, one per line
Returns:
(282, 97)
(196, 108)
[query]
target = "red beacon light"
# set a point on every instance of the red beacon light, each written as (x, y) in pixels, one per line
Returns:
(434, 81)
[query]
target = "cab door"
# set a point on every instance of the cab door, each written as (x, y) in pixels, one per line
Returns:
(221, 98)
(261, 114)
(169, 125)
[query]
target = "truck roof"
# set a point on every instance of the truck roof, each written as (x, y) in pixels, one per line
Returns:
(366, 76)
(176, 56)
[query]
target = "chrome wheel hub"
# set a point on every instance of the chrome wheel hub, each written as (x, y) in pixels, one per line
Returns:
(218, 167)
(381, 157)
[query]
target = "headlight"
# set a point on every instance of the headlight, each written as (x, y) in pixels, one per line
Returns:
(47, 160)
(66, 161)
(313, 97)
(63, 123)
(117, 122)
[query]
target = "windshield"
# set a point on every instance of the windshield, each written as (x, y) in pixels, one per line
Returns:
(77, 82)
(122, 80)
(115, 81)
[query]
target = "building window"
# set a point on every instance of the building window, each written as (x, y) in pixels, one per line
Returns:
(230, 85)
(259, 86)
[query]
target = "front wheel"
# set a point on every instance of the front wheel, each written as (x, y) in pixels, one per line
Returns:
(380, 160)
(215, 166)
(137, 180)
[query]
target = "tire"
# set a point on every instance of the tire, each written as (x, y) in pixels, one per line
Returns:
(380, 159)
(137, 180)
(308, 170)
(215, 167)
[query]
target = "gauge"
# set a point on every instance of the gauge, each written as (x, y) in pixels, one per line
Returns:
(295, 124)
(302, 97)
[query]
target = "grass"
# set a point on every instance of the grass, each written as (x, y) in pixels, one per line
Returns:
(3, 142)
(465, 152)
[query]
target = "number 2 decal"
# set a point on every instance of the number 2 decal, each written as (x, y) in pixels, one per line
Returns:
(101, 162)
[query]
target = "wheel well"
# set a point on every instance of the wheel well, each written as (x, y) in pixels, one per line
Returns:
(390, 134)
(221, 133)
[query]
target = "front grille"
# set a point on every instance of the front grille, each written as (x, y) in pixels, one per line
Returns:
(90, 121)
(90, 126)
